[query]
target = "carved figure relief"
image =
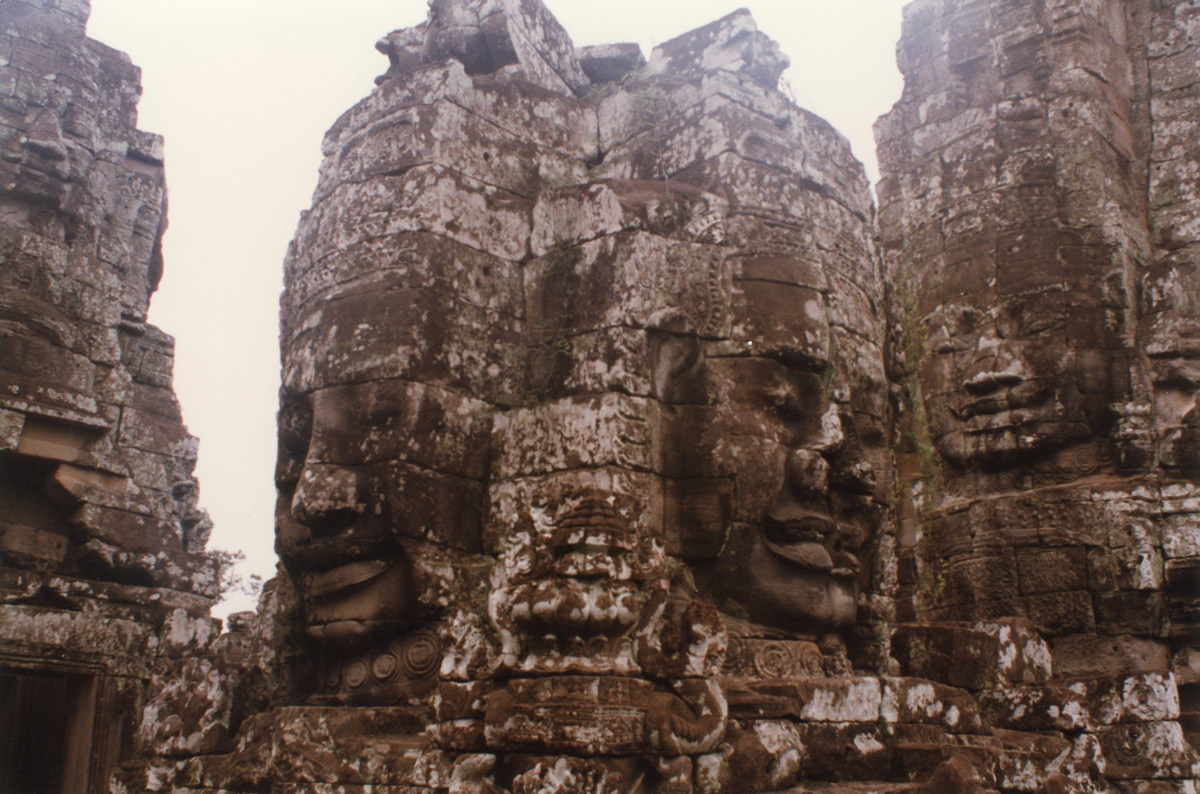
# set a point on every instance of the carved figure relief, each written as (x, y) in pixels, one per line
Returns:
(618, 317)
(1021, 271)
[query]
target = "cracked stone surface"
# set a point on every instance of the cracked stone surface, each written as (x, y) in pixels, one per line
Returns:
(625, 446)
(103, 571)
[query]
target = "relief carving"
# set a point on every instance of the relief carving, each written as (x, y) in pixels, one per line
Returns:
(623, 448)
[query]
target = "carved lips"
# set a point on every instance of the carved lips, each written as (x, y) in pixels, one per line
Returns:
(1000, 397)
(802, 542)
(349, 587)
(347, 604)
(320, 585)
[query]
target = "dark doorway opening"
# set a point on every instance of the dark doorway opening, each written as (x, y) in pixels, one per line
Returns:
(45, 732)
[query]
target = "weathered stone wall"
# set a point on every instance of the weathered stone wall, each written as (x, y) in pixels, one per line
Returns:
(1034, 213)
(1169, 328)
(102, 564)
(615, 457)
(1010, 213)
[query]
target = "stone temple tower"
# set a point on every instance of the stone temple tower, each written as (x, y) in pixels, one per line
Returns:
(624, 446)
(102, 563)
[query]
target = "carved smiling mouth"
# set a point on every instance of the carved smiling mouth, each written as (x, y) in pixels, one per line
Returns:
(337, 551)
(1006, 407)
(1007, 398)
(347, 605)
(351, 587)
(592, 561)
(323, 584)
(802, 542)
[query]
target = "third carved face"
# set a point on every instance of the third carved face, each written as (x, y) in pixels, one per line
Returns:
(1014, 378)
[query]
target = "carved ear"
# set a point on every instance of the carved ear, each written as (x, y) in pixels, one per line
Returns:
(678, 368)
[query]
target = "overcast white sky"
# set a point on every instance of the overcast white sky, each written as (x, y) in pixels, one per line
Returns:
(243, 91)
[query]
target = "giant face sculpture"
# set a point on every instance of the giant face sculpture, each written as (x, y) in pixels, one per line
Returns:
(745, 321)
(1025, 375)
(800, 488)
(336, 519)
(1170, 337)
(398, 340)
(379, 484)
(802, 550)
(770, 402)
(1006, 381)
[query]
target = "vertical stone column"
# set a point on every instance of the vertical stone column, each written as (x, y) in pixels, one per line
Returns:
(1024, 219)
(1169, 331)
(1014, 224)
(580, 352)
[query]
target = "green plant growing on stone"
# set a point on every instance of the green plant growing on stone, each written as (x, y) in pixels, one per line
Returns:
(916, 431)
(652, 108)
(916, 437)
(935, 575)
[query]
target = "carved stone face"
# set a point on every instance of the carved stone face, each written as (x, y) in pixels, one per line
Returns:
(378, 483)
(1011, 378)
(790, 460)
(1170, 337)
(790, 553)
(347, 568)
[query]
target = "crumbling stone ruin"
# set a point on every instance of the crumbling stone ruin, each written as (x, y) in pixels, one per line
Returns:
(1038, 223)
(102, 570)
(623, 445)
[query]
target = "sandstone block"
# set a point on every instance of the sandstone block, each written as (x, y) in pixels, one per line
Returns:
(1008, 651)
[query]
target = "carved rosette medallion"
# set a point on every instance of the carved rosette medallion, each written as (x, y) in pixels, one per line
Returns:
(756, 658)
(400, 670)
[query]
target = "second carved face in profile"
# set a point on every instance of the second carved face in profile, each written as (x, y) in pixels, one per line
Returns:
(774, 491)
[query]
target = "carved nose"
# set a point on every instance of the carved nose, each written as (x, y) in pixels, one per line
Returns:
(807, 472)
(994, 368)
(327, 498)
(800, 503)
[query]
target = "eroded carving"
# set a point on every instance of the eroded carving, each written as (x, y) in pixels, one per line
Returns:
(104, 580)
(589, 479)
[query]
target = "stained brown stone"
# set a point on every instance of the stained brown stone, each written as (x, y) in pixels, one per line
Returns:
(103, 571)
(1015, 210)
(624, 447)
